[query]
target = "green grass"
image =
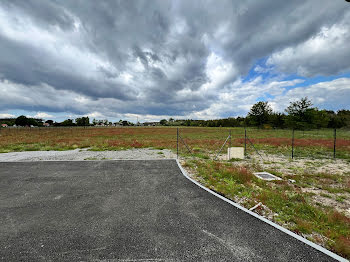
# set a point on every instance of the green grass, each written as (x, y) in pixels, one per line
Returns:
(325, 195)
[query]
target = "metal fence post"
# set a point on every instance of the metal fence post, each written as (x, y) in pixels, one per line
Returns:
(293, 144)
(177, 143)
(335, 140)
(229, 150)
(245, 141)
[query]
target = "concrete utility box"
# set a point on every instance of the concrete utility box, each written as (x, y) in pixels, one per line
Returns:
(235, 152)
(266, 176)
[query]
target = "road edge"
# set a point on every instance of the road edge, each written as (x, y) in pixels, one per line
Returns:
(292, 234)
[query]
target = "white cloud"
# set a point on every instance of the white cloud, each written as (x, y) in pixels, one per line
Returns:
(323, 54)
(218, 70)
(96, 115)
(332, 95)
(237, 98)
(260, 69)
(42, 115)
(4, 115)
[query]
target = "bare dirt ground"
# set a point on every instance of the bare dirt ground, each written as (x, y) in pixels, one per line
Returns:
(327, 180)
(337, 168)
(291, 167)
(338, 201)
(85, 154)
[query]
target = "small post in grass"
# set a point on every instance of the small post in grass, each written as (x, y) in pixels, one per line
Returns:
(293, 144)
(335, 140)
(177, 143)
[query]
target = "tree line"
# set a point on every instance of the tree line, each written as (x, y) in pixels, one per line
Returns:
(298, 115)
(24, 121)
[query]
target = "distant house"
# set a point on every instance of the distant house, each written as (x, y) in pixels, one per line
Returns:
(4, 125)
(46, 124)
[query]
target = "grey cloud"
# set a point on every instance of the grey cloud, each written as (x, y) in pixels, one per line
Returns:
(145, 56)
(47, 13)
(269, 26)
(30, 66)
(160, 48)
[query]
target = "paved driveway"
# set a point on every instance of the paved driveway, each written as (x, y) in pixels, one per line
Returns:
(128, 211)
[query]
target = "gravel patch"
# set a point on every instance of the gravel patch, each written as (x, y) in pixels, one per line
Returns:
(84, 154)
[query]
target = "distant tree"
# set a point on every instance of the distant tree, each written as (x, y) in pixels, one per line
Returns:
(278, 120)
(163, 122)
(300, 114)
(241, 121)
(299, 108)
(22, 121)
(32, 122)
(82, 121)
(25, 121)
(345, 116)
(9, 121)
(68, 122)
(336, 121)
(125, 123)
(259, 113)
(50, 122)
(231, 121)
(187, 122)
(319, 118)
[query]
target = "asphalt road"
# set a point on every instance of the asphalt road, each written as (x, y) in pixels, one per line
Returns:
(128, 211)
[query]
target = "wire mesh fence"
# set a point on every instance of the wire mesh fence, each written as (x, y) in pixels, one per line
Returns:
(322, 143)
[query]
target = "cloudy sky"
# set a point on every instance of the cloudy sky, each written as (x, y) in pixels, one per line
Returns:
(158, 59)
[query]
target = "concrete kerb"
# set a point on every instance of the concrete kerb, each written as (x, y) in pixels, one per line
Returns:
(88, 160)
(305, 241)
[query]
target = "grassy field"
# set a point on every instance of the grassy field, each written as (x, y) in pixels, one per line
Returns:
(203, 141)
(314, 204)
